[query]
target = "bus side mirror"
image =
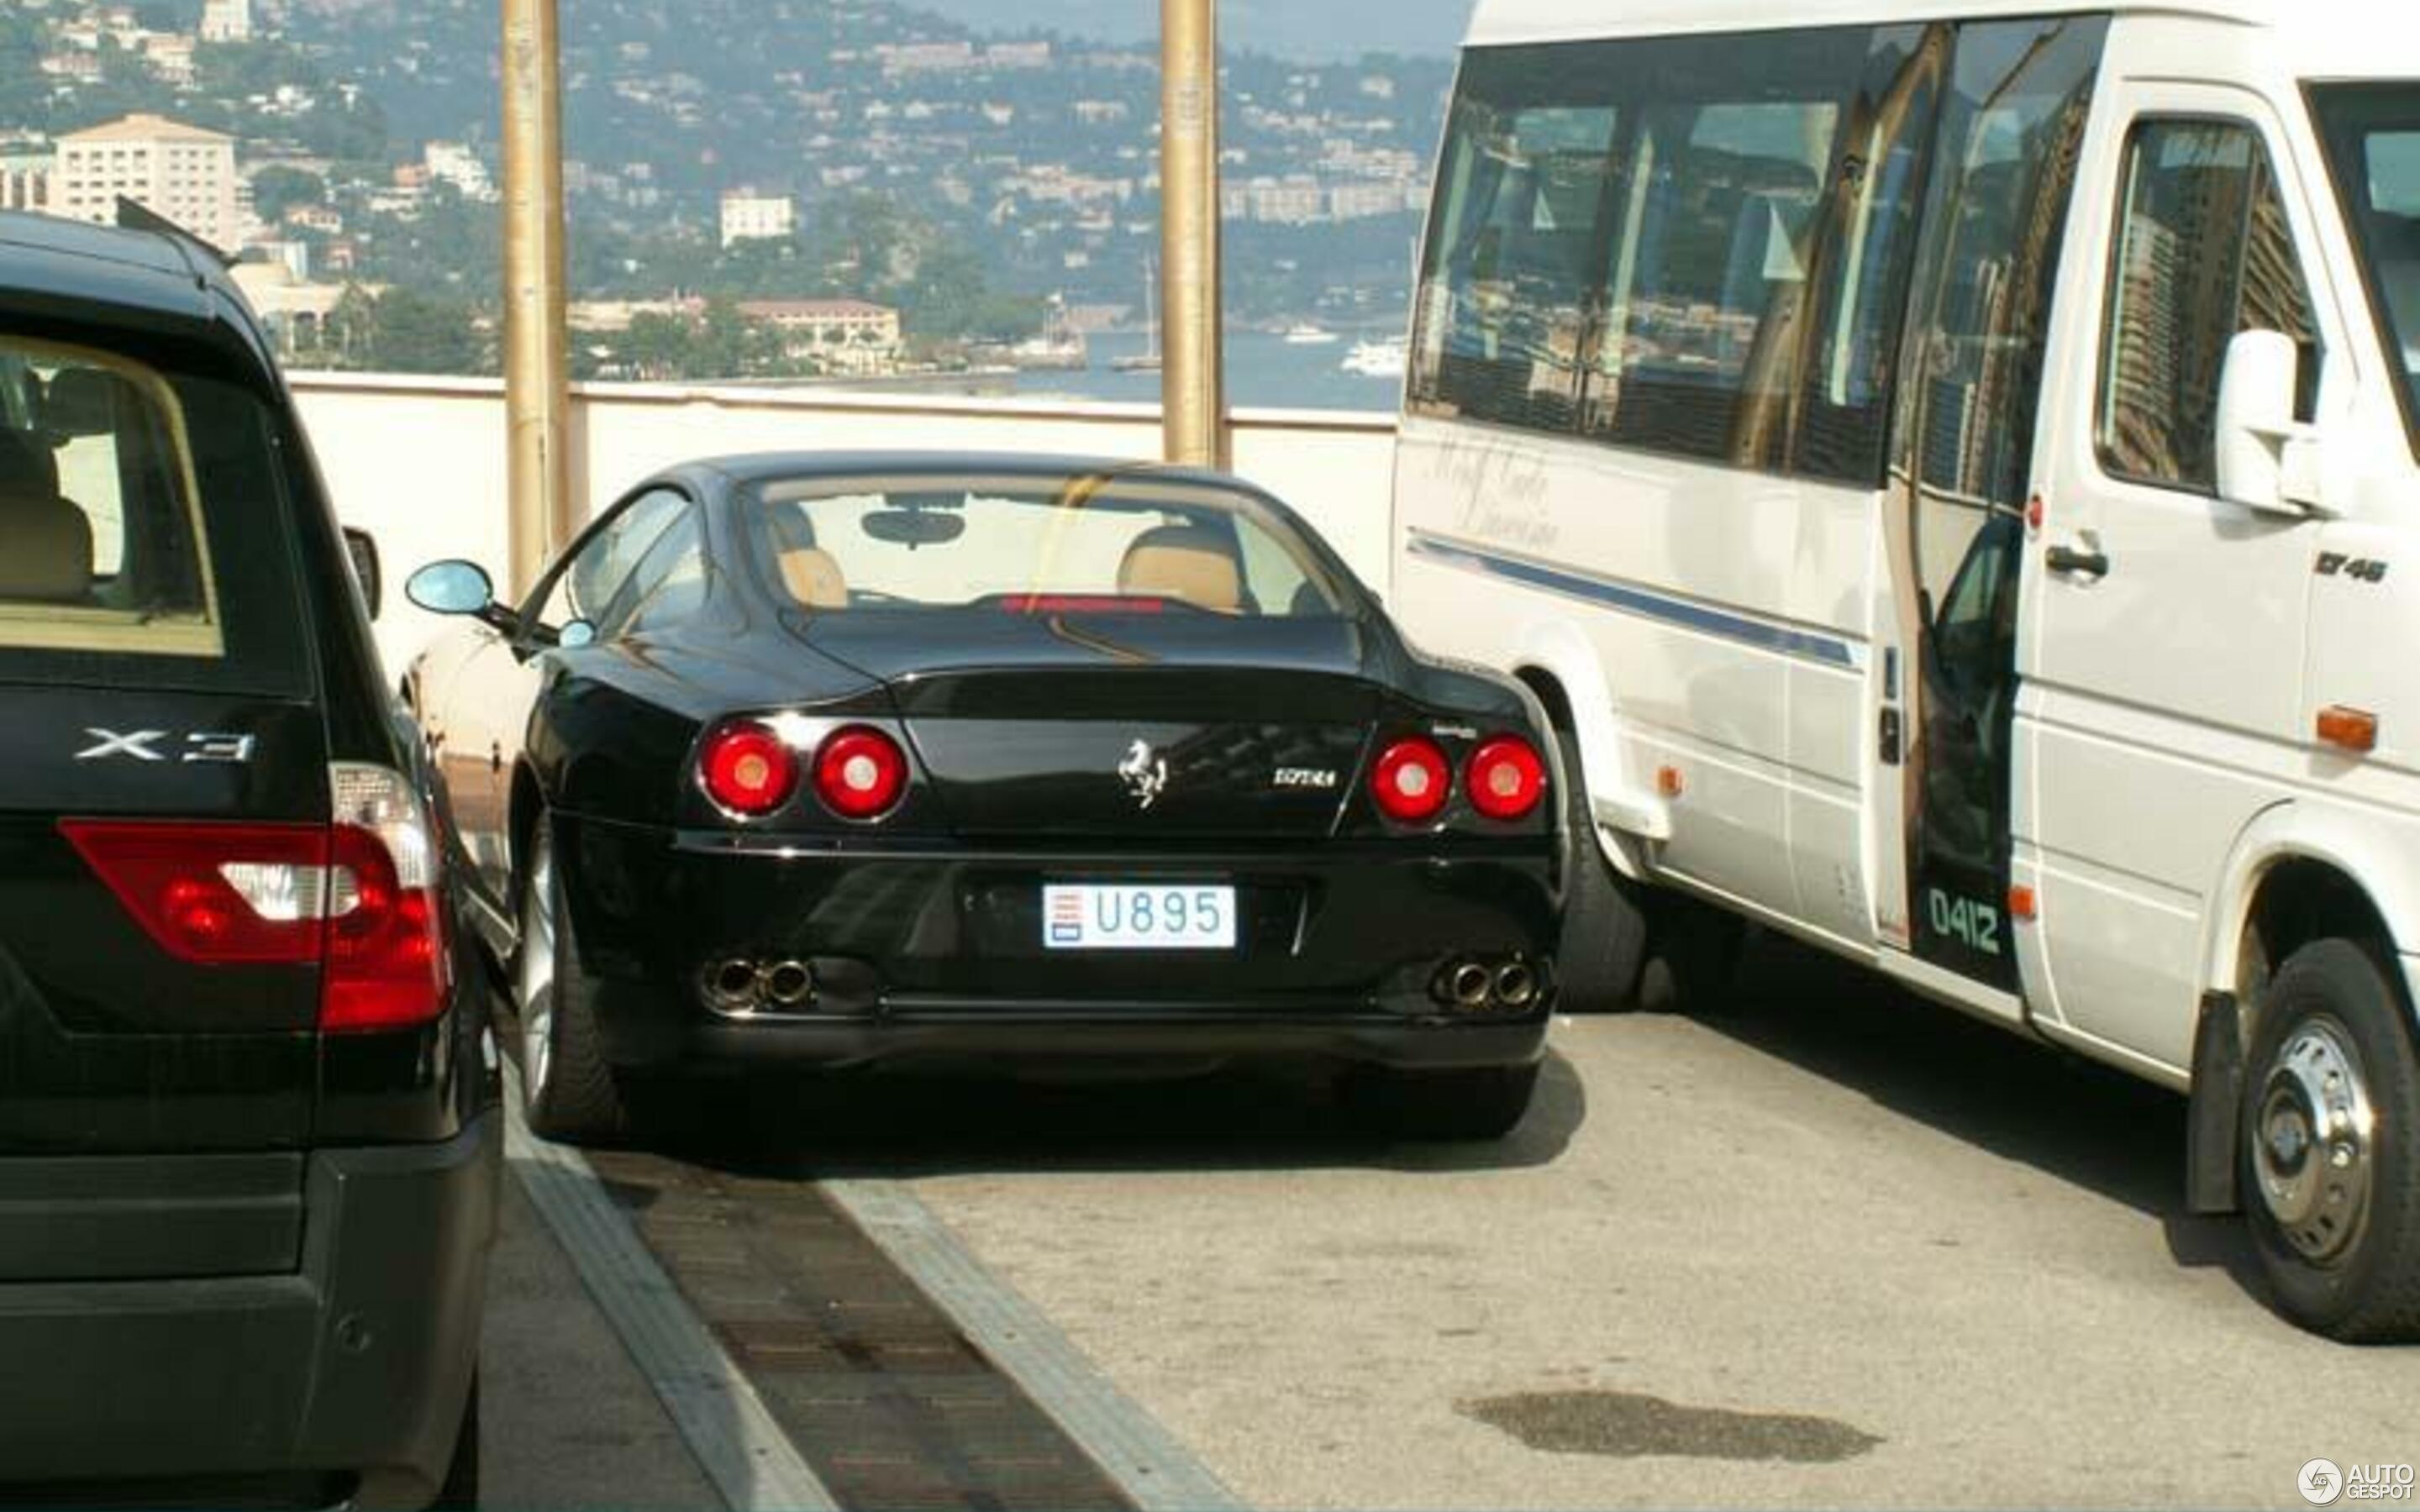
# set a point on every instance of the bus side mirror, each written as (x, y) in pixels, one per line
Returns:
(2267, 459)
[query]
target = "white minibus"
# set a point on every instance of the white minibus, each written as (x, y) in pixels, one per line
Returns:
(1954, 474)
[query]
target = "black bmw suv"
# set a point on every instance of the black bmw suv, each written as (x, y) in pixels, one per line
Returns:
(249, 1129)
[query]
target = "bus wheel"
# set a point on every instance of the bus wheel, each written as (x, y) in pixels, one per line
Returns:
(2332, 1146)
(1605, 930)
(1693, 956)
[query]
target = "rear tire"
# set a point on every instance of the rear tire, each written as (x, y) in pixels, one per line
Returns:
(1693, 957)
(2331, 1145)
(1603, 944)
(1467, 1105)
(569, 1092)
(460, 1492)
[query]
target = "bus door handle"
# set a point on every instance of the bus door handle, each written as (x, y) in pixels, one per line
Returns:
(2075, 561)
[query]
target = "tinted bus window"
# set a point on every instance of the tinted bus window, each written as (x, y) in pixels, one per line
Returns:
(1696, 246)
(1511, 289)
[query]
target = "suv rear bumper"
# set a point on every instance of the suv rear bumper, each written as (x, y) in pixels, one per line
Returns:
(349, 1373)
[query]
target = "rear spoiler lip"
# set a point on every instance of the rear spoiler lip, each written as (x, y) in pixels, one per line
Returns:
(133, 215)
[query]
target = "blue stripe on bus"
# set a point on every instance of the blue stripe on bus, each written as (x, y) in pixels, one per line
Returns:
(1829, 650)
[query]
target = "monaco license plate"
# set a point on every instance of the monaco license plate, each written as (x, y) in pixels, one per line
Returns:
(1138, 916)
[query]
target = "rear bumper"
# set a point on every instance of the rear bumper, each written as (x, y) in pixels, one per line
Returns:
(921, 955)
(346, 1377)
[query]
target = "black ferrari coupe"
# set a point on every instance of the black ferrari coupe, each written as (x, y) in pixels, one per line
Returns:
(833, 760)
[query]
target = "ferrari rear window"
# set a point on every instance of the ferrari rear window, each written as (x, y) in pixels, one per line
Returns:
(1100, 543)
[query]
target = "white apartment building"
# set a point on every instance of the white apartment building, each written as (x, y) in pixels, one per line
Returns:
(846, 335)
(227, 21)
(454, 164)
(748, 216)
(25, 179)
(177, 170)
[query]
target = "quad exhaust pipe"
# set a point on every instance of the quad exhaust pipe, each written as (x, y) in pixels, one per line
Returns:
(738, 987)
(1471, 986)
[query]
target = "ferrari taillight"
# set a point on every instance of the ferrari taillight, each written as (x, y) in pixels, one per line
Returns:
(1505, 779)
(748, 769)
(357, 898)
(861, 773)
(1411, 782)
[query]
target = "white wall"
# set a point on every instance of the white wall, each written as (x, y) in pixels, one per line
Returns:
(420, 463)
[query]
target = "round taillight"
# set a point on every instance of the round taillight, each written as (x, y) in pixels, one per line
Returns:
(748, 770)
(1411, 782)
(861, 773)
(1506, 777)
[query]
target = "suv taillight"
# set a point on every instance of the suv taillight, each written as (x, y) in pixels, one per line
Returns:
(358, 897)
(386, 966)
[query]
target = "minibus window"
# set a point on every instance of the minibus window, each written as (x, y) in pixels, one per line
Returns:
(1693, 245)
(2373, 136)
(1507, 296)
(2204, 251)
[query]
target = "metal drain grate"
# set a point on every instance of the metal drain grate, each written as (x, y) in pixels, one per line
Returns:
(880, 1394)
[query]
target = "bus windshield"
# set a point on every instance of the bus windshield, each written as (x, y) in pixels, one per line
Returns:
(2373, 136)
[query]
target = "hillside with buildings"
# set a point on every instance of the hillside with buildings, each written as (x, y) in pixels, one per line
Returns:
(723, 157)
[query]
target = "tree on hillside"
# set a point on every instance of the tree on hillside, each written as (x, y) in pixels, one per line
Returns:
(414, 333)
(277, 189)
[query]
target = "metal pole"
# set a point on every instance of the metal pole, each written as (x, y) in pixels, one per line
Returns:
(537, 383)
(1193, 377)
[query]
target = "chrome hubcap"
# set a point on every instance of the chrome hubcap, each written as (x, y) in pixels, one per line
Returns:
(2314, 1141)
(536, 978)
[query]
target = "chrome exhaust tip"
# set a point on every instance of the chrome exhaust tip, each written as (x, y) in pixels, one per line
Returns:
(1516, 985)
(1470, 985)
(732, 986)
(789, 984)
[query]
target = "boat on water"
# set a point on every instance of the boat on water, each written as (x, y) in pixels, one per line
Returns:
(1148, 360)
(1387, 359)
(1059, 347)
(1308, 335)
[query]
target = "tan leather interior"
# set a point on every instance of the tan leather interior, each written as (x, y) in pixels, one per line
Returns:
(45, 541)
(815, 578)
(1184, 562)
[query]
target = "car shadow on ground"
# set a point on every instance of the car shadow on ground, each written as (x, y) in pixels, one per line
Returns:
(904, 1125)
(2070, 1119)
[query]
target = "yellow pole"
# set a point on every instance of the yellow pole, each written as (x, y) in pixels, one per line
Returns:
(1193, 377)
(537, 379)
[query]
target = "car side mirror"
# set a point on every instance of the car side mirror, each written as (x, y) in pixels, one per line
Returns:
(2267, 459)
(362, 547)
(458, 588)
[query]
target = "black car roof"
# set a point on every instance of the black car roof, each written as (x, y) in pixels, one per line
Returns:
(54, 256)
(766, 466)
(129, 289)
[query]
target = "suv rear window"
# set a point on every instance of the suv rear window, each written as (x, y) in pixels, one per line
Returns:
(141, 539)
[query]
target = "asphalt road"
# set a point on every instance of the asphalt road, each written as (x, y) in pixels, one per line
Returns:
(1828, 1247)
